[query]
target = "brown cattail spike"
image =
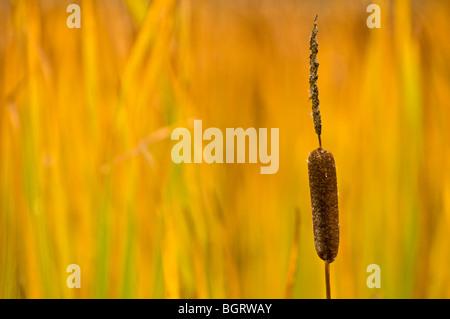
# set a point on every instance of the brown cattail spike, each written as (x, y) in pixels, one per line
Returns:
(324, 203)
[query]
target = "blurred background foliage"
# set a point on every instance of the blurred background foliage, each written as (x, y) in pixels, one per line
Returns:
(86, 175)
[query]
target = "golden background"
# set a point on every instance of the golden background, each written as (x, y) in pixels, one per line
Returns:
(86, 175)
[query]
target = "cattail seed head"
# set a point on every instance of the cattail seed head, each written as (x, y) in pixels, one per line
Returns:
(324, 203)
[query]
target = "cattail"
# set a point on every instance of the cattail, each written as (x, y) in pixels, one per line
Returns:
(324, 203)
(322, 179)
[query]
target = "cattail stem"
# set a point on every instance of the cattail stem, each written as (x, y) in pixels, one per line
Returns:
(327, 279)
